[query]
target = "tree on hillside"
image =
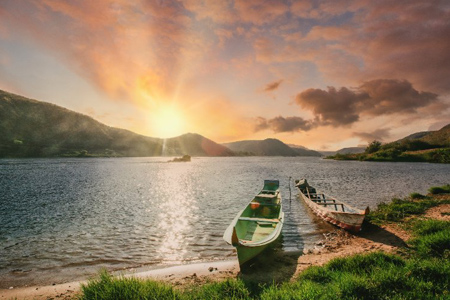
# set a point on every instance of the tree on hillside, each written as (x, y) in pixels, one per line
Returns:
(373, 147)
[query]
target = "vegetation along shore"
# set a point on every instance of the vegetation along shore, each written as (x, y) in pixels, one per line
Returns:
(431, 147)
(402, 253)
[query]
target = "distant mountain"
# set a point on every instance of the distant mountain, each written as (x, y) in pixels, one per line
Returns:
(267, 147)
(303, 151)
(348, 150)
(327, 153)
(31, 128)
(351, 150)
(195, 145)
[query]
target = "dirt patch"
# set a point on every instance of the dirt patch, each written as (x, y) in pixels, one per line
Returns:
(340, 243)
(441, 212)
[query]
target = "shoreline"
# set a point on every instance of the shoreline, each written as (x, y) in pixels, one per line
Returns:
(286, 265)
(279, 266)
(176, 275)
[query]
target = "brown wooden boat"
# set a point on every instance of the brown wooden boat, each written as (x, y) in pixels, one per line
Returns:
(331, 210)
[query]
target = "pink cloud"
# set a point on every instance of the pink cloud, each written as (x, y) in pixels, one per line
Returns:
(117, 45)
(260, 12)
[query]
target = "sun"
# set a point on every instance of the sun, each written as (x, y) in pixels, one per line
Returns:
(167, 121)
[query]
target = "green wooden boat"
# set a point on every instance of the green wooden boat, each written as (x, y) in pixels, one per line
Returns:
(258, 225)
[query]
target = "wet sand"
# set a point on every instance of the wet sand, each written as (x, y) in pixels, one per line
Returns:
(282, 266)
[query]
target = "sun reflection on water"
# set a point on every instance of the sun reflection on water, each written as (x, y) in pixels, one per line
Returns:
(177, 214)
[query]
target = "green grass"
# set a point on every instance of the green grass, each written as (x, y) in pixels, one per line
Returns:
(375, 275)
(371, 276)
(427, 227)
(422, 272)
(435, 190)
(228, 289)
(432, 238)
(399, 209)
(109, 287)
(399, 154)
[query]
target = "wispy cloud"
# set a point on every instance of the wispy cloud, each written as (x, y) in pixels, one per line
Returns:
(380, 134)
(270, 87)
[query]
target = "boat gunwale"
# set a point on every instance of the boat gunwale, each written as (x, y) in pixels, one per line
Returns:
(358, 211)
(267, 240)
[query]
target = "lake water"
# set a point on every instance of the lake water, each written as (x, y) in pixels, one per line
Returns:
(63, 219)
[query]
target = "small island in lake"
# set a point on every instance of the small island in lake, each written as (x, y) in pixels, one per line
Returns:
(184, 158)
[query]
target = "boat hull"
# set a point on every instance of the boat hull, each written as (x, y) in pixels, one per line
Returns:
(257, 226)
(350, 222)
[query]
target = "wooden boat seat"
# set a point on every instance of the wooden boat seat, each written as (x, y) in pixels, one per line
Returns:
(324, 200)
(271, 192)
(270, 196)
(266, 204)
(324, 203)
(259, 220)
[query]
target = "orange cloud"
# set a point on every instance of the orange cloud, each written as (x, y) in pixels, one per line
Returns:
(118, 45)
(344, 106)
(206, 55)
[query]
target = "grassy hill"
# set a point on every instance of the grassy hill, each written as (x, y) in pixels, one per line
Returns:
(439, 138)
(30, 128)
(431, 146)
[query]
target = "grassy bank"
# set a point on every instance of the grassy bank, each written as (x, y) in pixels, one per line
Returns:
(441, 155)
(422, 271)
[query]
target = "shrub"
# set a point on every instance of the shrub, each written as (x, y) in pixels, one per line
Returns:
(373, 147)
(445, 189)
(417, 196)
(439, 156)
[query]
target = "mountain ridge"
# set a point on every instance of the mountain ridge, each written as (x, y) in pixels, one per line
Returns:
(267, 147)
(32, 128)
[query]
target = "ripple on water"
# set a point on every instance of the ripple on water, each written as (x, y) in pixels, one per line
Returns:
(71, 216)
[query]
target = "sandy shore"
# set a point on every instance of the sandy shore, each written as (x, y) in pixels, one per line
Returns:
(280, 267)
(176, 275)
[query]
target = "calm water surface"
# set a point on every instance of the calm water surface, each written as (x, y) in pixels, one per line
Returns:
(63, 219)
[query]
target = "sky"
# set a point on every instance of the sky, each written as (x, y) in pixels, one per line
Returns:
(321, 74)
